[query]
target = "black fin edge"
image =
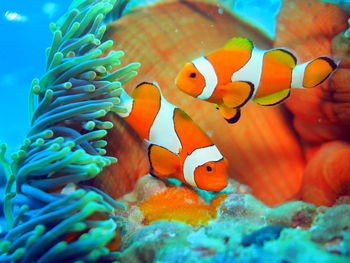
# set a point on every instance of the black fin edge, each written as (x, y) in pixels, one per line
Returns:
(289, 53)
(151, 170)
(250, 93)
(144, 82)
(330, 61)
(235, 118)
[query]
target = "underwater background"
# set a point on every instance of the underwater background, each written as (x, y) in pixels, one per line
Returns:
(27, 22)
(67, 198)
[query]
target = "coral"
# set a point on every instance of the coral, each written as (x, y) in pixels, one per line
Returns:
(160, 234)
(179, 204)
(52, 216)
(321, 115)
(339, 107)
(246, 230)
(294, 214)
(327, 174)
(325, 229)
(312, 117)
(343, 4)
(263, 150)
(153, 199)
(245, 207)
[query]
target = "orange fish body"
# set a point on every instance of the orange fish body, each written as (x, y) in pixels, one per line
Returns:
(239, 72)
(178, 148)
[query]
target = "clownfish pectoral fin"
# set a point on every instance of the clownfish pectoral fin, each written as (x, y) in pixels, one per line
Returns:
(239, 43)
(273, 99)
(231, 115)
(163, 162)
(147, 91)
(236, 94)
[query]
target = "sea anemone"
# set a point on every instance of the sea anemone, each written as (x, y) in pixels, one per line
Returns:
(51, 215)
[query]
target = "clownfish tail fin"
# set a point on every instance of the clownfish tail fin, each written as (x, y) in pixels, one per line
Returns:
(313, 73)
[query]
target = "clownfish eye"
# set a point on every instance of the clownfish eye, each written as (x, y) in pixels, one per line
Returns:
(193, 75)
(209, 169)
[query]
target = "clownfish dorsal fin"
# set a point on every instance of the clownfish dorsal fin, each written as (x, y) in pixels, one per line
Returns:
(163, 162)
(239, 43)
(147, 91)
(283, 56)
(231, 115)
(237, 93)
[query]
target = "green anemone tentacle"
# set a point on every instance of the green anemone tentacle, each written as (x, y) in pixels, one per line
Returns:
(51, 215)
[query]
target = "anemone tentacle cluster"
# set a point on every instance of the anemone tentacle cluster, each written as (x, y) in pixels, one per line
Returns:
(51, 216)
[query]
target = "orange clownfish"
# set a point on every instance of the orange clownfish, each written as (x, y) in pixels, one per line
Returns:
(239, 72)
(178, 148)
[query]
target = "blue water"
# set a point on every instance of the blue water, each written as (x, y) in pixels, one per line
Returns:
(22, 52)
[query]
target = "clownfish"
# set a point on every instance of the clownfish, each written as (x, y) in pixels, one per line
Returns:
(239, 72)
(178, 148)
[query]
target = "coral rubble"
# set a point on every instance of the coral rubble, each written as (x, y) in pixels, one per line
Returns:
(244, 230)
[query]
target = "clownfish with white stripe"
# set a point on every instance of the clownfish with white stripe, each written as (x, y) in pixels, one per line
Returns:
(178, 148)
(239, 72)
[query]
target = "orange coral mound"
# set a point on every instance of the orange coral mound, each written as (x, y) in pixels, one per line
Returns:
(180, 204)
(327, 175)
